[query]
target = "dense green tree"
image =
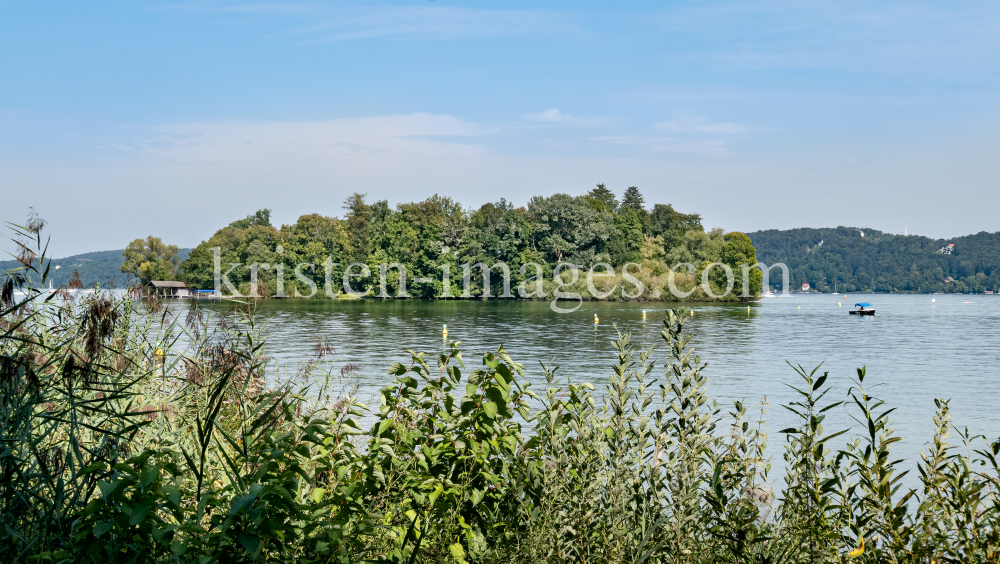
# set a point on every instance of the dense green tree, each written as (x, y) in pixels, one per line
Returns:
(633, 199)
(500, 231)
(698, 248)
(630, 237)
(379, 220)
(150, 259)
(603, 199)
(260, 217)
(671, 225)
(567, 228)
(311, 240)
(241, 242)
(737, 252)
(358, 235)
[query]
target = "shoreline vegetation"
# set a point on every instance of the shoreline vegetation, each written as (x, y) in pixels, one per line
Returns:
(130, 435)
(547, 247)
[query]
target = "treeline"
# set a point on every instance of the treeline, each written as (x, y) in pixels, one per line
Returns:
(429, 236)
(841, 259)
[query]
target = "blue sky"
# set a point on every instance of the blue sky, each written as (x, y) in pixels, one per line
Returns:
(122, 119)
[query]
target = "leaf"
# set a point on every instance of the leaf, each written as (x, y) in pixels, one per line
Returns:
(497, 394)
(92, 468)
(477, 496)
(243, 503)
(317, 494)
(819, 381)
(857, 551)
(457, 552)
(251, 543)
(148, 476)
(164, 535)
(382, 426)
(139, 513)
(491, 409)
(101, 528)
(107, 488)
(173, 494)
(377, 473)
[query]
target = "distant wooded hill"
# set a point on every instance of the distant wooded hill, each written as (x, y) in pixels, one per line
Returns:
(841, 259)
(102, 267)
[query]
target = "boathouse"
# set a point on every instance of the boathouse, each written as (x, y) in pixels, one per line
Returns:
(169, 289)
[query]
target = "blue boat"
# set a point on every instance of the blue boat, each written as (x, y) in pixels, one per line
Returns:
(862, 309)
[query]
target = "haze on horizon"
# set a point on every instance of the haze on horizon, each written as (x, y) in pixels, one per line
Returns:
(120, 120)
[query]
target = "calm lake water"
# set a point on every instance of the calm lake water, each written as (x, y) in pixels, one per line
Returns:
(917, 350)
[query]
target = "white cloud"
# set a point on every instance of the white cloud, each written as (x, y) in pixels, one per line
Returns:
(327, 23)
(667, 144)
(700, 125)
(555, 116)
(316, 144)
(895, 37)
(691, 135)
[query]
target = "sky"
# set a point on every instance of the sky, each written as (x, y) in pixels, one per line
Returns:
(126, 118)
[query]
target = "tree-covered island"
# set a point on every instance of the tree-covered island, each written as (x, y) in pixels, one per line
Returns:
(548, 246)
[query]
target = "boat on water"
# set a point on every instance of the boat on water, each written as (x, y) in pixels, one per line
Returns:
(767, 294)
(861, 309)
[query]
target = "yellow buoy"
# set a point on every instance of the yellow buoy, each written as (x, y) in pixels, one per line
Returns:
(692, 313)
(644, 314)
(444, 331)
(840, 304)
(800, 307)
(596, 320)
(748, 309)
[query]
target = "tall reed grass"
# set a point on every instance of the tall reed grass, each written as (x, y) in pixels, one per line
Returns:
(129, 435)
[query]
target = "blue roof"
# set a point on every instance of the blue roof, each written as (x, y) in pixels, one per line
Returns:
(864, 304)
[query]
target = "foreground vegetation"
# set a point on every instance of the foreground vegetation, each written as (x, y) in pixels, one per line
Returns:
(131, 436)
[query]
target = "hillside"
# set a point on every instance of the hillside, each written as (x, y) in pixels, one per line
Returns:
(101, 266)
(841, 259)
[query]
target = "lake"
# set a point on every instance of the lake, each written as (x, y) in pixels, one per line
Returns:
(918, 350)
